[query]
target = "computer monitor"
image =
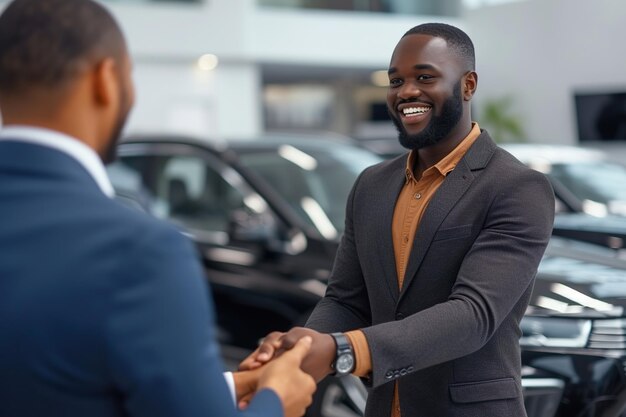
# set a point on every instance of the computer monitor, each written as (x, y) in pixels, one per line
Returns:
(601, 116)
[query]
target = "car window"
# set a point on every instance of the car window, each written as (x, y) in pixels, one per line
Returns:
(314, 181)
(600, 186)
(602, 182)
(186, 189)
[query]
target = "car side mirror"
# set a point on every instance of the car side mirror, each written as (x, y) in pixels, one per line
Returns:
(261, 228)
(251, 227)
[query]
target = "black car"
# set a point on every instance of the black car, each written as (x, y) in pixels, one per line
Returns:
(574, 333)
(584, 180)
(609, 231)
(266, 215)
(590, 190)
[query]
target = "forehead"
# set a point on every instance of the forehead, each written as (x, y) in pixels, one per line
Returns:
(423, 50)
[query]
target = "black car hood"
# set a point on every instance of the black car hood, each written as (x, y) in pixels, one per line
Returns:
(579, 279)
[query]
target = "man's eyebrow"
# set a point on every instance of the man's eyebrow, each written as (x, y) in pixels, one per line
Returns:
(417, 67)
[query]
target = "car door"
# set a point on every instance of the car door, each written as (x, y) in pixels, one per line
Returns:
(239, 238)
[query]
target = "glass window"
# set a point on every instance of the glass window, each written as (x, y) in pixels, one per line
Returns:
(314, 180)
(185, 189)
(602, 182)
(423, 7)
(298, 106)
(153, 1)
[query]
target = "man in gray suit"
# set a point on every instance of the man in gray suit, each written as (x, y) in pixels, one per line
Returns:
(439, 255)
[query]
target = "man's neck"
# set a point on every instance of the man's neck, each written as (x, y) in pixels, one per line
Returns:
(429, 156)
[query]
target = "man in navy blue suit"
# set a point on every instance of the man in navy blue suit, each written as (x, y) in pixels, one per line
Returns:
(103, 310)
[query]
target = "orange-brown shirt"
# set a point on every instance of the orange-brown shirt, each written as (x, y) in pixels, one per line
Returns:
(414, 197)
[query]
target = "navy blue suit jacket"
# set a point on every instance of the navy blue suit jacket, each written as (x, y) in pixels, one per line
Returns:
(103, 310)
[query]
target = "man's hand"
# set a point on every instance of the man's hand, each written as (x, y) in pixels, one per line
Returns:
(283, 375)
(264, 353)
(246, 383)
(317, 363)
(321, 356)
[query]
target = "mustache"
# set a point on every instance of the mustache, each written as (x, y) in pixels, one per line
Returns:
(413, 101)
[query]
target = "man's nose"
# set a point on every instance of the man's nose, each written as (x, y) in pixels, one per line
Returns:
(409, 90)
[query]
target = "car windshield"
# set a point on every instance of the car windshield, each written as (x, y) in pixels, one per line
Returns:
(314, 180)
(603, 182)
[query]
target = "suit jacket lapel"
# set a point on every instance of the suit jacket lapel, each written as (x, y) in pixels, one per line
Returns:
(450, 191)
(390, 190)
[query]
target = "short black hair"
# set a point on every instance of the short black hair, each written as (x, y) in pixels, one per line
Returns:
(455, 37)
(44, 43)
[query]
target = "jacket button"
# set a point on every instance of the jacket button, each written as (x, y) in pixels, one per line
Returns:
(399, 316)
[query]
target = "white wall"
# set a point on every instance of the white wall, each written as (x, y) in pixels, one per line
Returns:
(173, 95)
(166, 40)
(318, 37)
(542, 51)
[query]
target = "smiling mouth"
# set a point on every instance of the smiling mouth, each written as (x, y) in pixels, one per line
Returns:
(415, 111)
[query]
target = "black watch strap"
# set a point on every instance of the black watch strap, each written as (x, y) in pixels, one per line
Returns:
(344, 360)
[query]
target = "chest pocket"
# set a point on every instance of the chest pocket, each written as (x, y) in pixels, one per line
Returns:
(456, 232)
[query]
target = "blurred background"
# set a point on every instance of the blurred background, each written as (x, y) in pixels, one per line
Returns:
(550, 71)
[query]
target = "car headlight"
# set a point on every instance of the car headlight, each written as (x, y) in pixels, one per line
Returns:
(555, 332)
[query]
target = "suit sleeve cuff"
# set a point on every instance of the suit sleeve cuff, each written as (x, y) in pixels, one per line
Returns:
(361, 353)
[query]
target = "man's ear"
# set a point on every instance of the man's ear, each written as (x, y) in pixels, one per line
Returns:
(470, 82)
(105, 82)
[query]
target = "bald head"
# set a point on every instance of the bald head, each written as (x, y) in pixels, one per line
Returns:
(46, 43)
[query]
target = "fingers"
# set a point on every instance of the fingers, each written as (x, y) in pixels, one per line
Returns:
(268, 347)
(300, 349)
(285, 376)
(289, 339)
(263, 354)
(245, 401)
(250, 363)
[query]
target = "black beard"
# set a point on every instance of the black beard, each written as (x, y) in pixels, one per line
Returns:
(438, 128)
(110, 153)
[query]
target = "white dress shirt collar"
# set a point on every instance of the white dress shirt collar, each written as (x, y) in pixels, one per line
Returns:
(86, 156)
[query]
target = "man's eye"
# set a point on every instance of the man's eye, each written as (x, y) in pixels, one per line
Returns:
(424, 77)
(394, 82)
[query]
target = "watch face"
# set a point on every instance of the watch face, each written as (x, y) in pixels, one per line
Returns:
(344, 363)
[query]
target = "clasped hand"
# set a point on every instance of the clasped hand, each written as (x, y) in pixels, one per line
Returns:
(284, 376)
(316, 363)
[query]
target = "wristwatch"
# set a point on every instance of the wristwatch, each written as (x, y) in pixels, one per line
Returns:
(344, 361)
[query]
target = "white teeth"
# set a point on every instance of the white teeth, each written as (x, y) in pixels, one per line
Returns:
(413, 110)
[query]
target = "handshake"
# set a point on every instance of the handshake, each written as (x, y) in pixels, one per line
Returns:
(288, 363)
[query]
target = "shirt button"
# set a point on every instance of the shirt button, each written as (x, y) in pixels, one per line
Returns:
(406, 239)
(417, 196)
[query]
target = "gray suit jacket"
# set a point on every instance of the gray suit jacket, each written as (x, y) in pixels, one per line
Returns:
(450, 335)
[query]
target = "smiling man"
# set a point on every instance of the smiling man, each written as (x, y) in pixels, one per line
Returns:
(439, 255)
